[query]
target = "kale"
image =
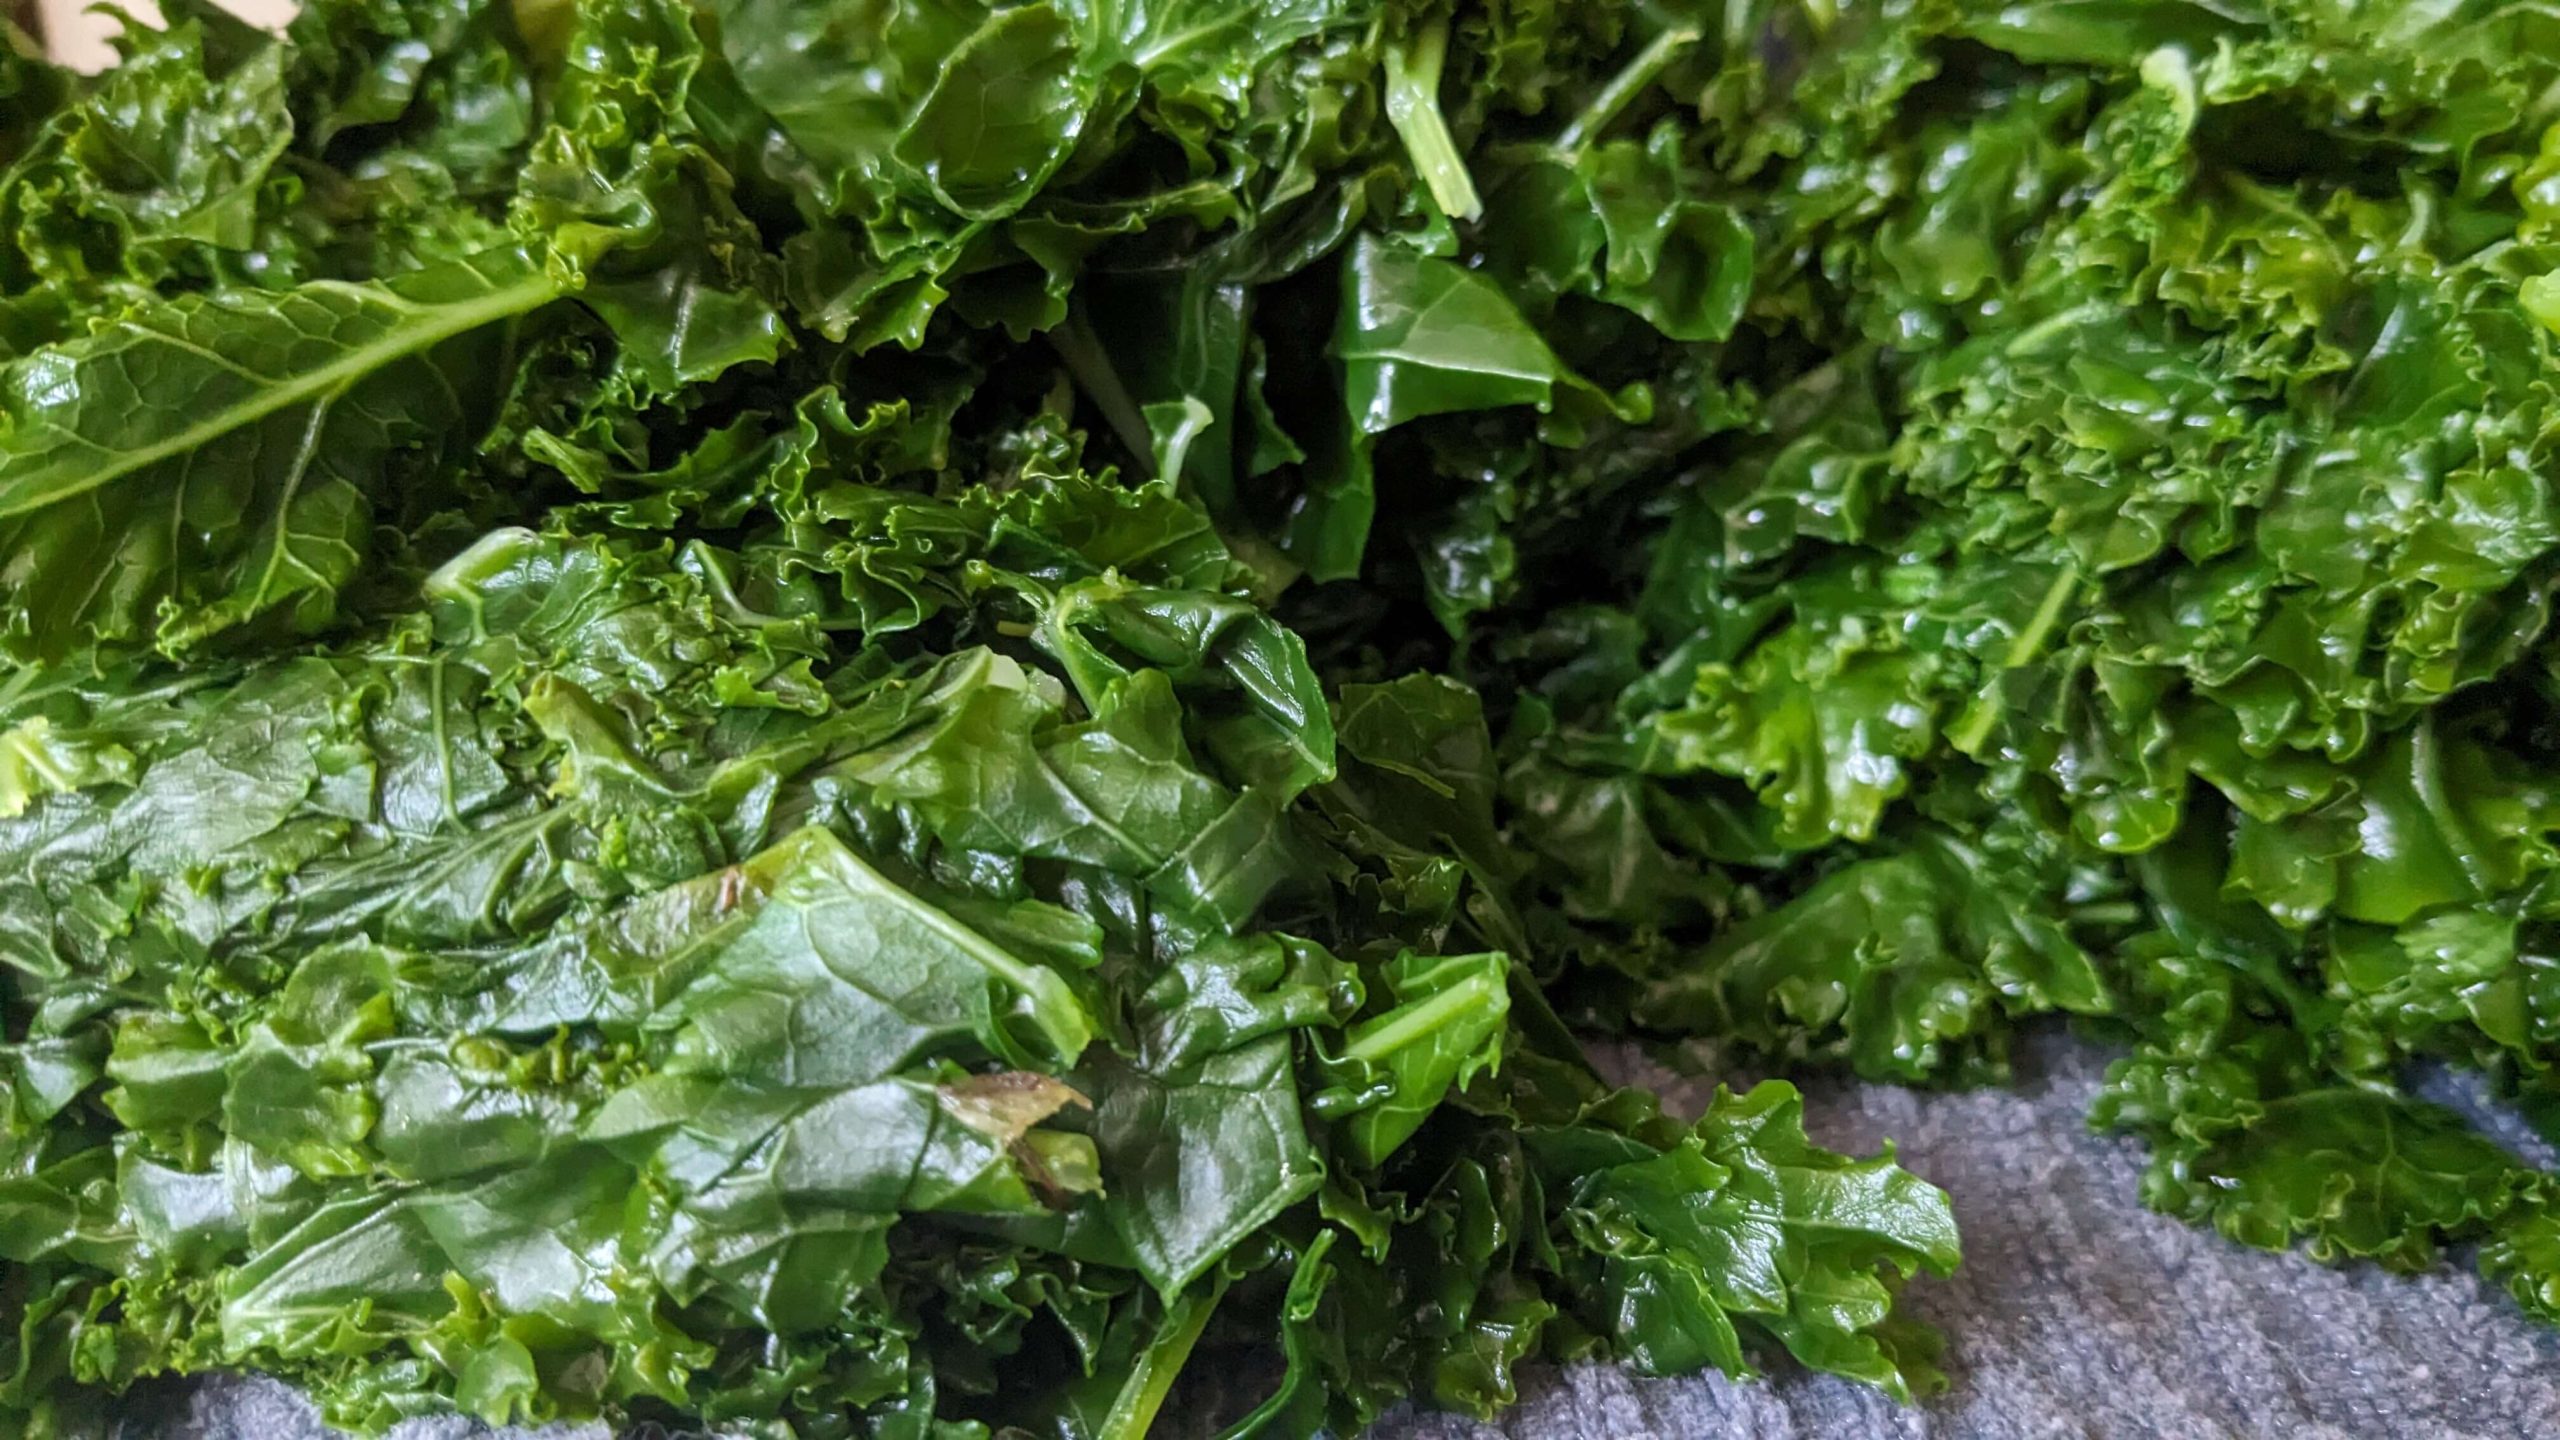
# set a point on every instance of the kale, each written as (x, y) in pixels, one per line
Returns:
(899, 717)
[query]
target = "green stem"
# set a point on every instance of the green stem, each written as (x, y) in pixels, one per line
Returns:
(1622, 90)
(1413, 107)
(2030, 641)
(1985, 712)
(1196, 420)
(1133, 1410)
(1075, 343)
(1407, 1023)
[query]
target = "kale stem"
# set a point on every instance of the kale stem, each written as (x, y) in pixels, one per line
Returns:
(1404, 1025)
(1076, 344)
(1975, 727)
(1413, 107)
(1133, 1410)
(2031, 640)
(1622, 89)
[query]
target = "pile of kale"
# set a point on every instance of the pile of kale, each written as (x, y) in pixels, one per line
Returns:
(906, 718)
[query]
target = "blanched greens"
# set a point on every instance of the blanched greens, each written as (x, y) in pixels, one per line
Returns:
(928, 718)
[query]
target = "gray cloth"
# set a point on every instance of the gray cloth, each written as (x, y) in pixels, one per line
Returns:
(2076, 1313)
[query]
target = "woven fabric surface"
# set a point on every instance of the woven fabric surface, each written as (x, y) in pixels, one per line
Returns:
(2076, 1313)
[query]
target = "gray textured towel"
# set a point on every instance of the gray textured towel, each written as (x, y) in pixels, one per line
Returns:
(2077, 1313)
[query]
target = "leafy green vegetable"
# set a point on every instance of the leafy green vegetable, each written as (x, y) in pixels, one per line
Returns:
(607, 812)
(2119, 587)
(200, 463)
(842, 718)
